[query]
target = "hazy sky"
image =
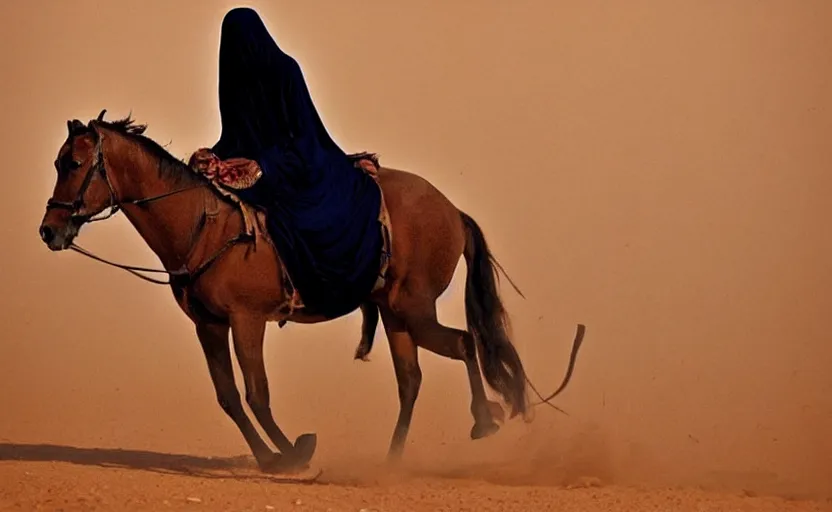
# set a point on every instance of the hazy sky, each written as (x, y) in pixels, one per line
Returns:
(657, 170)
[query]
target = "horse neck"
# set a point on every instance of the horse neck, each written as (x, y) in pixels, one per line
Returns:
(168, 225)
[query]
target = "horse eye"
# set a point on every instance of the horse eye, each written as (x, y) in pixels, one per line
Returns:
(74, 165)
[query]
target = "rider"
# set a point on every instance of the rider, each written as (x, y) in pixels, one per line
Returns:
(322, 211)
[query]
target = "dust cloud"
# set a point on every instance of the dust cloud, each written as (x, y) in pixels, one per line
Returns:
(657, 170)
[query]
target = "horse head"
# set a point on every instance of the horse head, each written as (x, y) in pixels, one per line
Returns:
(82, 189)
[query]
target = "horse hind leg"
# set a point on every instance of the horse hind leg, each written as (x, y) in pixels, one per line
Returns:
(369, 322)
(419, 314)
(459, 345)
(408, 376)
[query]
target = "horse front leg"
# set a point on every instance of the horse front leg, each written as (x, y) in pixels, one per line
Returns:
(248, 331)
(214, 340)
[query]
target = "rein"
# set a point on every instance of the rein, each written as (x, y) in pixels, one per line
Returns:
(129, 268)
(182, 272)
(77, 205)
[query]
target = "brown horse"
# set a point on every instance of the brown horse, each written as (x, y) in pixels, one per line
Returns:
(225, 279)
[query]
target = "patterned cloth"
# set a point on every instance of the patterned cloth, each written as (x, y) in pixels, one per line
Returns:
(234, 173)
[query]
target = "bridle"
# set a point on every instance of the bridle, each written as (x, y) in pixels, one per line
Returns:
(77, 205)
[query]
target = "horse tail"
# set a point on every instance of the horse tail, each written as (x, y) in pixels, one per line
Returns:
(488, 322)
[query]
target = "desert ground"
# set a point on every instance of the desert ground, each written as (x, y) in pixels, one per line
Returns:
(656, 170)
(132, 481)
(181, 467)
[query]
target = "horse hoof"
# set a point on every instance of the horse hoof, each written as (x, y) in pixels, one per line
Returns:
(497, 412)
(362, 351)
(481, 430)
(305, 446)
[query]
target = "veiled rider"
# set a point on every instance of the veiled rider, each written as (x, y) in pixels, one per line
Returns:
(275, 153)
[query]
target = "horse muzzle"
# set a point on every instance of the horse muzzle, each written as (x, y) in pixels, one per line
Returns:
(58, 238)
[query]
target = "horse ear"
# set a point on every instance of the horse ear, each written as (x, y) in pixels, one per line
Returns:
(74, 127)
(101, 115)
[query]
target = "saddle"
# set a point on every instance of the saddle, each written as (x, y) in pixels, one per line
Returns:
(228, 176)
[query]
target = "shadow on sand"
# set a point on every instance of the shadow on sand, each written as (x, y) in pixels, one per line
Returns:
(242, 467)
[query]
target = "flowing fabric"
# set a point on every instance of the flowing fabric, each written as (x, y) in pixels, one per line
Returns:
(322, 211)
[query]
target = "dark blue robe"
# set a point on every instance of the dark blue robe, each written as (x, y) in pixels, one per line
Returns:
(322, 211)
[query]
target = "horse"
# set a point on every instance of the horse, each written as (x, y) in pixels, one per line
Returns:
(227, 280)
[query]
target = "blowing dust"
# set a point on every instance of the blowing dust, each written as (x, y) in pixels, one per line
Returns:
(658, 172)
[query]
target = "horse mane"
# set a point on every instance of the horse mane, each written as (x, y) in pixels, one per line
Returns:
(170, 167)
(126, 126)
